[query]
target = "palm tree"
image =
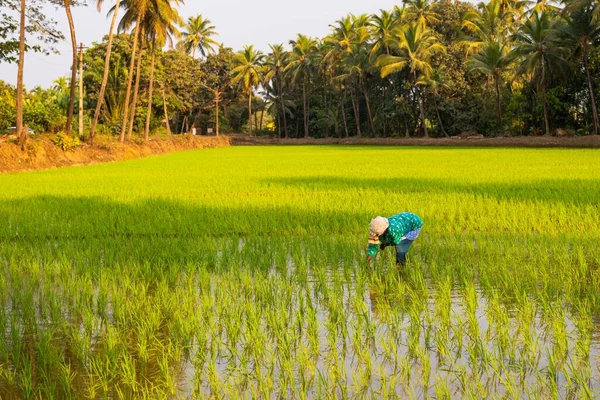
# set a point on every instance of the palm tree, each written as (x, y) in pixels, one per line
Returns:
(489, 24)
(593, 6)
(21, 64)
(383, 26)
(358, 59)
(275, 64)
(416, 45)
(541, 53)
(160, 26)
(106, 66)
(434, 83)
(421, 12)
(135, 11)
(582, 32)
(303, 50)
(349, 56)
(67, 4)
(492, 61)
(248, 68)
(197, 35)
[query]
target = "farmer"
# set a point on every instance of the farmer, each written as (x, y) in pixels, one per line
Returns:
(400, 231)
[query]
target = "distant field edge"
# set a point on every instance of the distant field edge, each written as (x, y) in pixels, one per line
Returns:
(42, 153)
(592, 141)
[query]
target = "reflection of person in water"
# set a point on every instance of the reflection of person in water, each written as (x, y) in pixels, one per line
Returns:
(400, 230)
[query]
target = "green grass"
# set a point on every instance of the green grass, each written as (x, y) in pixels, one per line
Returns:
(240, 272)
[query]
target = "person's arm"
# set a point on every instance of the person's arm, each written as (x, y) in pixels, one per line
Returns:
(373, 247)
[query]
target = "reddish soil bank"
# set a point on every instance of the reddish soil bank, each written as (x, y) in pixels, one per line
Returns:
(41, 153)
(521, 141)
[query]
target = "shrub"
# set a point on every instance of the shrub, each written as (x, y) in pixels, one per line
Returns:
(66, 142)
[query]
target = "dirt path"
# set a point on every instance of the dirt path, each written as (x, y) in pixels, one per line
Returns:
(523, 141)
(41, 153)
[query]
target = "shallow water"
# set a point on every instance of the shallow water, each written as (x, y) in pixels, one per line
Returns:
(476, 362)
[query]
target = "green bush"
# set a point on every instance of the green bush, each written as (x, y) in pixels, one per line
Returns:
(66, 142)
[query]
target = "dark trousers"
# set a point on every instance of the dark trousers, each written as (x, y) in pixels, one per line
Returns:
(401, 251)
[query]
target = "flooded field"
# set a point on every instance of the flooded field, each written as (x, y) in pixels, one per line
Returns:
(241, 273)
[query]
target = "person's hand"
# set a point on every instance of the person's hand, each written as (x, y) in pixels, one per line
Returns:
(369, 258)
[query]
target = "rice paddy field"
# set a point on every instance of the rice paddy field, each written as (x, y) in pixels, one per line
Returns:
(242, 273)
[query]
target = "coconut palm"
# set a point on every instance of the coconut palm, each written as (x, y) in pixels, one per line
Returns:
(20, 68)
(106, 66)
(416, 45)
(435, 83)
(67, 4)
(541, 52)
(489, 24)
(160, 25)
(145, 14)
(300, 65)
(275, 64)
(592, 6)
(581, 32)
(348, 54)
(492, 60)
(421, 12)
(357, 61)
(134, 13)
(383, 26)
(248, 70)
(197, 35)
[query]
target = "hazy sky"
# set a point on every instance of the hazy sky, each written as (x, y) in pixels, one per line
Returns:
(238, 22)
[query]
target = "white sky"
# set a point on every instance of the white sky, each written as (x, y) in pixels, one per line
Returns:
(238, 22)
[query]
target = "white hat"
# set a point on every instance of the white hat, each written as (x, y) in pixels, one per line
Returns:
(378, 226)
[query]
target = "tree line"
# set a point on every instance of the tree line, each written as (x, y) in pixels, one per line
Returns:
(421, 69)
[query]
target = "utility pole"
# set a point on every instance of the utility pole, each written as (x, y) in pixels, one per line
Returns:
(81, 89)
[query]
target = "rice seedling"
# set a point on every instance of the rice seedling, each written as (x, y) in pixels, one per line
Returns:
(241, 273)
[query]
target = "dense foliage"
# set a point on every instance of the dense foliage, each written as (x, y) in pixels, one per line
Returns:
(424, 68)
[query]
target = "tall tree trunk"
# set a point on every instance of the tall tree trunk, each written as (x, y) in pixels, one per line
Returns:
(285, 128)
(106, 71)
(406, 128)
(366, 94)
(326, 107)
(81, 90)
(19, 101)
(136, 90)
(250, 111)
(305, 103)
(592, 94)
(167, 123)
(422, 110)
(344, 114)
(437, 113)
(278, 123)
(262, 114)
(73, 68)
(130, 81)
(217, 99)
(150, 93)
(546, 121)
(356, 109)
(499, 105)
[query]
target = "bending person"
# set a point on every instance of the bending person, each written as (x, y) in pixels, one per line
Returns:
(400, 231)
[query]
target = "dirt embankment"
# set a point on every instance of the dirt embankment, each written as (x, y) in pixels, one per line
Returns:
(42, 153)
(522, 141)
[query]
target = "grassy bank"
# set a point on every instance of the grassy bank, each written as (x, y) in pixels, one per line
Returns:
(43, 153)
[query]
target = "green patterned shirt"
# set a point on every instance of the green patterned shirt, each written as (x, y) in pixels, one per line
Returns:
(400, 225)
